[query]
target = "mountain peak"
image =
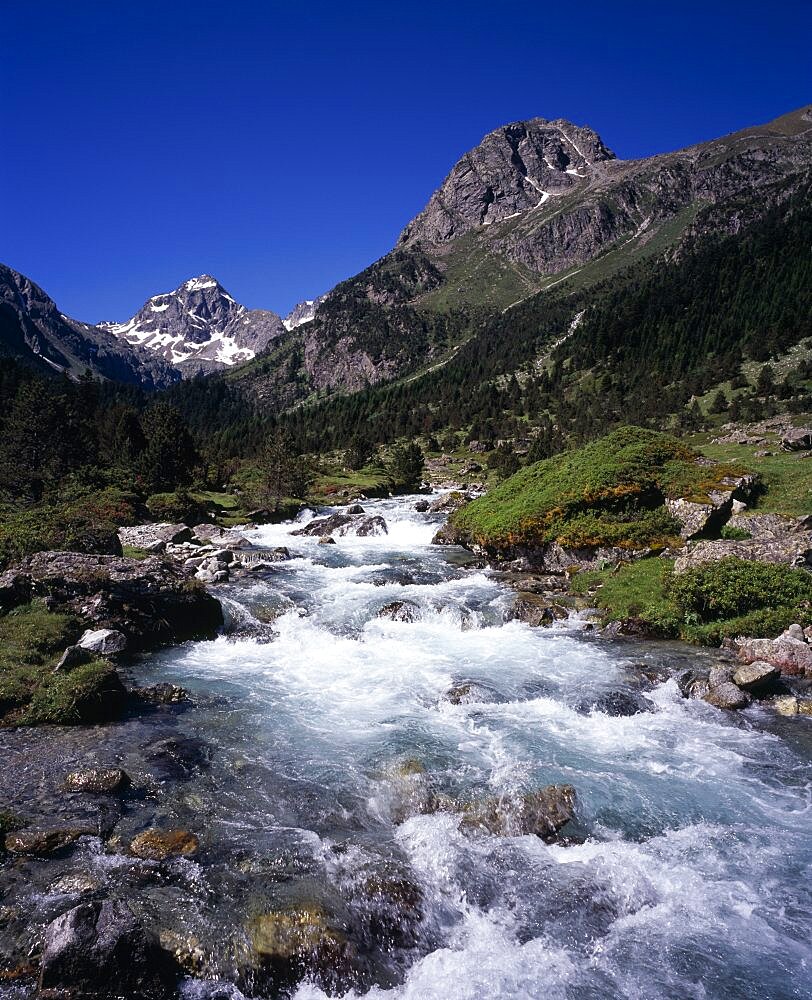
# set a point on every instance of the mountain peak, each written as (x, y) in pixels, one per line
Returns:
(199, 326)
(515, 168)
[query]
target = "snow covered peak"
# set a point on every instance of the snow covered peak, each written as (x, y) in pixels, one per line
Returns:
(303, 312)
(200, 282)
(199, 326)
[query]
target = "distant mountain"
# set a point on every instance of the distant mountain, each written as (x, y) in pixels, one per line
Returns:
(302, 312)
(199, 327)
(537, 205)
(35, 332)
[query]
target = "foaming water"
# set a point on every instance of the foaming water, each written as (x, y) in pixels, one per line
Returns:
(689, 868)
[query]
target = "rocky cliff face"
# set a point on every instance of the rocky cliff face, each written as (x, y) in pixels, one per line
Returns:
(514, 169)
(302, 312)
(33, 330)
(199, 327)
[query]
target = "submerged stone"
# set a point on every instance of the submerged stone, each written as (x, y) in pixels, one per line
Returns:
(97, 781)
(158, 845)
(542, 813)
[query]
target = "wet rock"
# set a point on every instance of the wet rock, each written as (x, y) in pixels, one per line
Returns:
(755, 675)
(145, 536)
(178, 758)
(615, 704)
(223, 538)
(97, 781)
(421, 506)
(692, 683)
(400, 611)
(302, 941)
(162, 693)
(344, 524)
(790, 653)
(720, 674)
(158, 845)
(41, 843)
(727, 695)
(327, 540)
(356, 508)
(74, 884)
(103, 641)
(535, 610)
(408, 791)
(792, 705)
(389, 908)
(542, 813)
(100, 950)
(470, 692)
(449, 502)
(150, 601)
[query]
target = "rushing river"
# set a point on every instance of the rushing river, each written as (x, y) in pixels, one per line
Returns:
(685, 875)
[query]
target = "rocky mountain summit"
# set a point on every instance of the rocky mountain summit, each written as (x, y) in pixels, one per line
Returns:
(199, 327)
(32, 329)
(514, 169)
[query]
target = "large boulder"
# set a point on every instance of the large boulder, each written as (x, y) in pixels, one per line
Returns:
(536, 610)
(797, 439)
(103, 642)
(727, 695)
(361, 525)
(223, 538)
(695, 518)
(100, 950)
(449, 502)
(302, 941)
(791, 549)
(400, 611)
(790, 653)
(542, 813)
(146, 536)
(755, 675)
(149, 601)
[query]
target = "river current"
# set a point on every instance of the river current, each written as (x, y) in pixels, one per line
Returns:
(685, 875)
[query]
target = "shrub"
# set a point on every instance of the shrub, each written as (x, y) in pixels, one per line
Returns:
(176, 507)
(732, 588)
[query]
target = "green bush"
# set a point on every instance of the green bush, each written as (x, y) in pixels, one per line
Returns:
(88, 524)
(177, 507)
(734, 534)
(732, 588)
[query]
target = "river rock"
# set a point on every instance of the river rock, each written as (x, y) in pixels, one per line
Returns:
(535, 610)
(97, 781)
(727, 695)
(344, 524)
(355, 508)
(145, 536)
(162, 693)
(74, 656)
(103, 641)
(100, 950)
(327, 540)
(389, 907)
(449, 502)
(150, 601)
(41, 843)
(792, 705)
(542, 813)
(615, 704)
(421, 506)
(158, 845)
(223, 538)
(302, 941)
(790, 653)
(758, 674)
(400, 611)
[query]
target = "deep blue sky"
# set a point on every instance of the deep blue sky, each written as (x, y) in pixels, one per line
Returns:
(282, 146)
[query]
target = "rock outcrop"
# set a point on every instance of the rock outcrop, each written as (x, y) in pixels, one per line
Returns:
(790, 653)
(100, 950)
(149, 601)
(361, 525)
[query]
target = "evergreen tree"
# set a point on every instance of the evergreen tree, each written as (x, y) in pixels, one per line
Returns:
(405, 467)
(169, 456)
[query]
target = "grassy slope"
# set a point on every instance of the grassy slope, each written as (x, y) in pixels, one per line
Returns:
(32, 639)
(609, 492)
